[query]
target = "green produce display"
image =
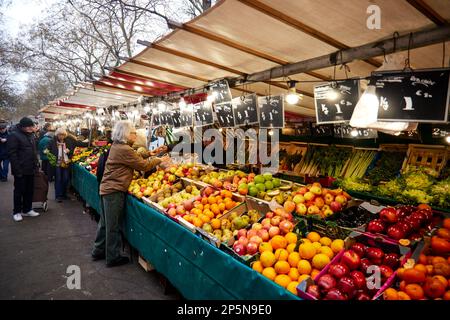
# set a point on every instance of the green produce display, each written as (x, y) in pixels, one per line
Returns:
(387, 167)
(359, 162)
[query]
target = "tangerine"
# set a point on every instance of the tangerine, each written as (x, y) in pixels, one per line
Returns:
(320, 261)
(423, 259)
(446, 223)
(230, 205)
(292, 287)
(305, 240)
(403, 296)
(421, 267)
(222, 207)
(446, 295)
(282, 280)
(215, 224)
(414, 291)
(442, 279)
(304, 267)
(291, 237)
(313, 236)
(282, 267)
(257, 266)
(327, 251)
(303, 277)
(269, 273)
(211, 200)
(281, 254)
(204, 201)
(204, 218)
(314, 273)
(293, 259)
(307, 251)
(197, 222)
(390, 294)
(294, 274)
(291, 247)
(265, 246)
(337, 245)
(317, 245)
(278, 242)
(325, 241)
(267, 259)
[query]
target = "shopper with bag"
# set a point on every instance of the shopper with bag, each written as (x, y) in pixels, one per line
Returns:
(24, 163)
(120, 165)
(42, 146)
(61, 152)
(4, 161)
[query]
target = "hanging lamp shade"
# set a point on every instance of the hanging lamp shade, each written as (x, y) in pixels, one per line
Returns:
(366, 110)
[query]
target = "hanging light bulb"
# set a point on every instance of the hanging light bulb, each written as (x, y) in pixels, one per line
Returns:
(220, 129)
(333, 93)
(211, 97)
(354, 133)
(147, 108)
(366, 110)
(270, 132)
(447, 139)
(292, 97)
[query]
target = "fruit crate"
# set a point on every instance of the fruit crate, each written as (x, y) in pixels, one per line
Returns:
(430, 156)
(404, 254)
(285, 186)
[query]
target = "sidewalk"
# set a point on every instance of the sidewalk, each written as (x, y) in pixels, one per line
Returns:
(36, 252)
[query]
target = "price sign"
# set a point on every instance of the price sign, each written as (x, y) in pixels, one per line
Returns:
(224, 113)
(166, 118)
(271, 111)
(176, 116)
(441, 131)
(186, 117)
(416, 96)
(348, 132)
(325, 130)
(203, 114)
(156, 119)
(221, 91)
(245, 110)
(336, 101)
(303, 129)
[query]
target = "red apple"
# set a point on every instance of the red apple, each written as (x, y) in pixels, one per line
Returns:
(338, 270)
(419, 215)
(172, 212)
(391, 260)
(335, 294)
(302, 190)
(301, 209)
(347, 285)
(274, 231)
(389, 215)
(341, 199)
(386, 272)
(270, 215)
(362, 296)
(275, 221)
(243, 241)
(263, 234)
(359, 248)
(335, 206)
(376, 226)
(326, 282)
(351, 259)
(314, 291)
(359, 279)
(181, 210)
(286, 226)
(171, 205)
(242, 233)
(256, 240)
(365, 264)
(252, 248)
(188, 205)
(239, 248)
(375, 255)
(395, 232)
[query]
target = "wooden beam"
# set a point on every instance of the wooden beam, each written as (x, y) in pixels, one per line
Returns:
(282, 86)
(136, 84)
(190, 57)
(280, 16)
(100, 84)
(428, 12)
(179, 73)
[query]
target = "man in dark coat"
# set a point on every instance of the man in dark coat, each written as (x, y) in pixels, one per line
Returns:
(24, 163)
(4, 161)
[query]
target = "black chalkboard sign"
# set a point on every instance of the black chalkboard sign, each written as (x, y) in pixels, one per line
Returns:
(271, 112)
(303, 129)
(245, 110)
(221, 91)
(413, 96)
(203, 114)
(166, 118)
(176, 116)
(336, 101)
(324, 130)
(156, 119)
(440, 131)
(224, 113)
(347, 132)
(186, 117)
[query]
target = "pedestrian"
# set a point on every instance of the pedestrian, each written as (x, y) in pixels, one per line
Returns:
(62, 152)
(24, 163)
(4, 161)
(120, 165)
(46, 128)
(42, 146)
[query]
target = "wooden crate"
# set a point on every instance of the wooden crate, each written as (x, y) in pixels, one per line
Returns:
(394, 147)
(430, 156)
(147, 266)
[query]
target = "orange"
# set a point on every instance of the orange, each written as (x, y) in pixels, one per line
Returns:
(304, 267)
(282, 267)
(337, 245)
(327, 251)
(215, 224)
(325, 241)
(204, 201)
(303, 277)
(446, 295)
(281, 254)
(421, 268)
(442, 279)
(292, 287)
(206, 207)
(269, 273)
(291, 237)
(403, 296)
(257, 266)
(294, 274)
(291, 247)
(282, 280)
(320, 261)
(437, 260)
(414, 291)
(424, 206)
(230, 205)
(317, 245)
(204, 218)
(307, 251)
(402, 285)
(423, 259)
(197, 222)
(215, 209)
(400, 272)
(278, 242)
(226, 194)
(267, 259)
(188, 218)
(196, 212)
(210, 214)
(390, 294)
(304, 240)
(222, 207)
(199, 206)
(446, 223)
(430, 269)
(314, 273)
(211, 200)
(293, 259)
(265, 246)
(313, 236)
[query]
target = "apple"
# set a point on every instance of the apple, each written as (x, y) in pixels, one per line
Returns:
(257, 226)
(313, 210)
(275, 221)
(171, 205)
(316, 190)
(341, 199)
(286, 226)
(375, 255)
(388, 215)
(256, 239)
(243, 241)
(172, 212)
(335, 206)
(419, 215)
(413, 222)
(365, 264)
(351, 259)
(265, 221)
(359, 248)
(386, 272)
(318, 201)
(326, 282)
(298, 199)
(274, 231)
(302, 190)
(338, 270)
(252, 248)
(406, 227)
(362, 296)
(347, 286)
(359, 279)
(329, 198)
(251, 233)
(242, 233)
(391, 260)
(335, 294)
(309, 196)
(427, 213)
(270, 215)
(188, 205)
(314, 291)
(181, 210)
(376, 226)
(263, 234)
(301, 209)
(395, 232)
(239, 248)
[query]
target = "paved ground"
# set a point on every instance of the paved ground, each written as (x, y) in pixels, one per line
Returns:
(36, 252)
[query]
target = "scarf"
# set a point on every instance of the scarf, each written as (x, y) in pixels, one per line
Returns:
(62, 154)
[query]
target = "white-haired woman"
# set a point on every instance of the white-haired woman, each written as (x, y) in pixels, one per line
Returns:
(63, 152)
(121, 163)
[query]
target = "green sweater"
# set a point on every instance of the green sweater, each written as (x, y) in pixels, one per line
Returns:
(43, 144)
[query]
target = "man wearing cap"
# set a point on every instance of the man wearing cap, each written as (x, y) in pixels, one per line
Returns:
(4, 162)
(24, 163)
